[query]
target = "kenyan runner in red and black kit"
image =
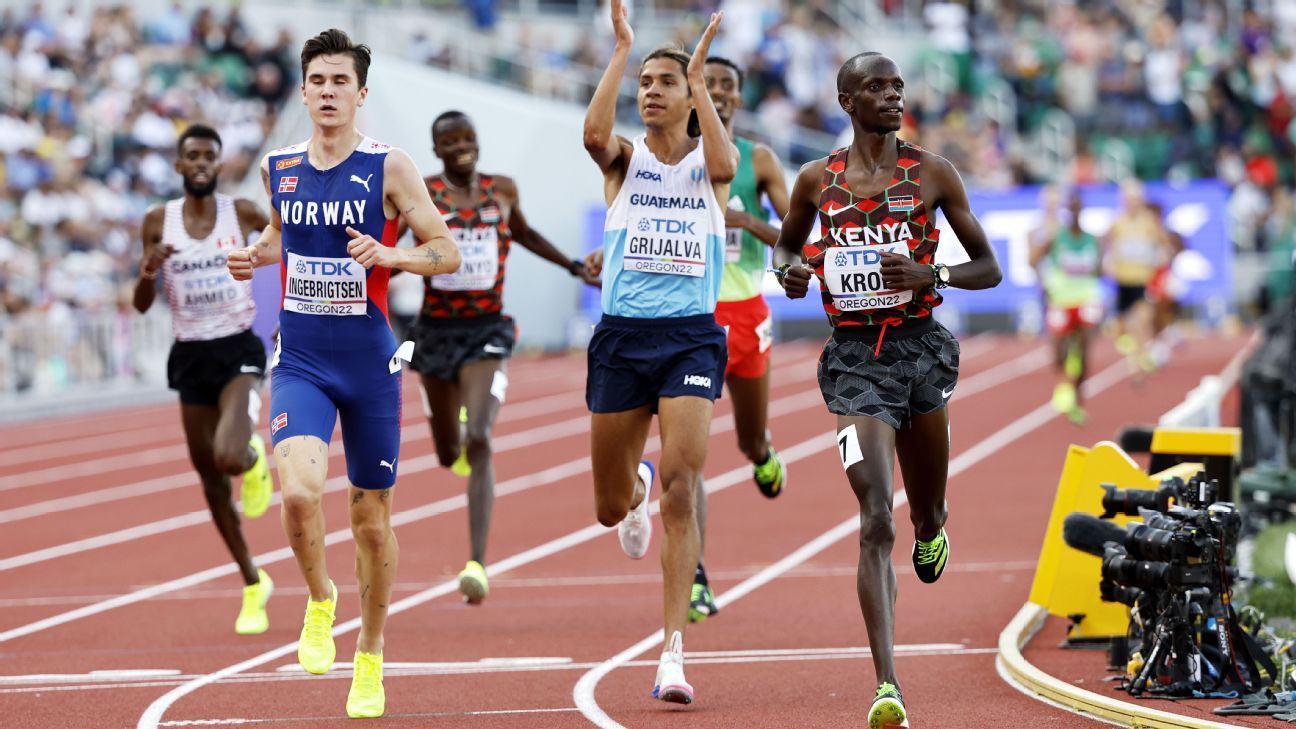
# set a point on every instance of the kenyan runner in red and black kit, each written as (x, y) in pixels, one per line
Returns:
(889, 368)
(462, 337)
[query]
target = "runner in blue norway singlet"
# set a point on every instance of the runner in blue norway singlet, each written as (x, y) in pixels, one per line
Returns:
(336, 349)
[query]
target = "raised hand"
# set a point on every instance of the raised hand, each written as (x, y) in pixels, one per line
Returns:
(621, 23)
(241, 263)
(698, 60)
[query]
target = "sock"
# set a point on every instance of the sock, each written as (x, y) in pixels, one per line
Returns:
(699, 577)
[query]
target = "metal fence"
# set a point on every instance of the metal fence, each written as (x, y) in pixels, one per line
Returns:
(59, 349)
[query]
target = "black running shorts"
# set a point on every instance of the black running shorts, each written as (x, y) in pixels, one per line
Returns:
(442, 346)
(913, 371)
(199, 370)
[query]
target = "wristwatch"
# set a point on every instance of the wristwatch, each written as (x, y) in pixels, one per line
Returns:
(940, 275)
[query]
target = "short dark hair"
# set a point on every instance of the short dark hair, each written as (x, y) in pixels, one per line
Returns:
(197, 131)
(726, 62)
(336, 42)
(675, 53)
(445, 116)
(848, 68)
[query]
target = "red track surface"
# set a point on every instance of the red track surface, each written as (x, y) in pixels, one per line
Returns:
(580, 602)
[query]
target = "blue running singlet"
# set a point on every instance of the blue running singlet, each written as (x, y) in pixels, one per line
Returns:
(335, 343)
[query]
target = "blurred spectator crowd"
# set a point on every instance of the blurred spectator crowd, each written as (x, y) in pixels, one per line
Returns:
(1088, 91)
(91, 104)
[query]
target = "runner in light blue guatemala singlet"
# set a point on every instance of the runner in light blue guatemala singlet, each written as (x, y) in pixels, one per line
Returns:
(658, 348)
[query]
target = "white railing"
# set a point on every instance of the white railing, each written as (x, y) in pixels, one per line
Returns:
(57, 350)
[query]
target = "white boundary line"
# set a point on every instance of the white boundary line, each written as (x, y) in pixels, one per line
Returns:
(583, 693)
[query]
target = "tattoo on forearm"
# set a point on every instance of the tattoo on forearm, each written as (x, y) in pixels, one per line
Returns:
(434, 257)
(409, 210)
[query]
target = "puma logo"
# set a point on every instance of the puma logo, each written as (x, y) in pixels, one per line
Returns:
(365, 181)
(389, 466)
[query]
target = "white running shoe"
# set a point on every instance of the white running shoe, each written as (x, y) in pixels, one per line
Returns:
(635, 530)
(671, 685)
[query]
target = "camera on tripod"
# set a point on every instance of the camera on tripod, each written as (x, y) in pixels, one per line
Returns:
(1173, 570)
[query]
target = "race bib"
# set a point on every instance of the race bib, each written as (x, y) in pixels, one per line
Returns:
(479, 251)
(203, 286)
(733, 245)
(853, 275)
(325, 286)
(734, 236)
(669, 246)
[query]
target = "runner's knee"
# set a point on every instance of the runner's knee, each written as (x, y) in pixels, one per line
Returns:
(300, 505)
(677, 505)
(370, 529)
(877, 528)
(231, 460)
(611, 510)
(477, 443)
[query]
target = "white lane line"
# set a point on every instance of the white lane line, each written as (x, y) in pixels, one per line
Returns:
(804, 449)
(320, 719)
(794, 403)
(412, 431)
(557, 581)
(583, 693)
(342, 671)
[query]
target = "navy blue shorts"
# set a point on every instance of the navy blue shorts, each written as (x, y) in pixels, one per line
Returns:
(633, 362)
(311, 390)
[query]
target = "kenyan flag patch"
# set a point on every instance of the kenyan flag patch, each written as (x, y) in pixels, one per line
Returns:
(901, 204)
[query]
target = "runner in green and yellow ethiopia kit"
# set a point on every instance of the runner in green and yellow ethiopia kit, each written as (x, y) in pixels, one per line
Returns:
(741, 307)
(1070, 263)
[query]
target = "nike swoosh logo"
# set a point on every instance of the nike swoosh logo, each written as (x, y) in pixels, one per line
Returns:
(946, 393)
(833, 213)
(249, 370)
(493, 349)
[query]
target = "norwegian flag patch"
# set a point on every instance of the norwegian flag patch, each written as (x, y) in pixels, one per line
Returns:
(280, 422)
(902, 204)
(287, 184)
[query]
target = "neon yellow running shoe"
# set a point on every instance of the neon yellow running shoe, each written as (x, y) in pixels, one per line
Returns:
(888, 711)
(769, 476)
(367, 699)
(1126, 344)
(257, 485)
(1064, 397)
(473, 584)
(929, 557)
(316, 651)
(252, 619)
(461, 467)
(1077, 415)
(702, 604)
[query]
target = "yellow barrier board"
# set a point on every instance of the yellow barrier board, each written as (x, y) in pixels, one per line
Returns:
(1066, 580)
